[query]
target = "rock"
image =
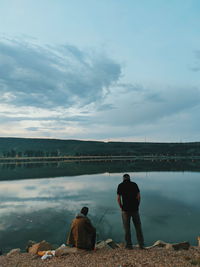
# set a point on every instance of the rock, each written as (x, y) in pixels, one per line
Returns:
(121, 245)
(42, 252)
(111, 243)
(159, 243)
(46, 256)
(30, 244)
(43, 245)
(14, 251)
(108, 244)
(178, 246)
(61, 251)
(102, 245)
(175, 246)
(63, 246)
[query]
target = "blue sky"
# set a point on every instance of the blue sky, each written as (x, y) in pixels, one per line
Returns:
(100, 70)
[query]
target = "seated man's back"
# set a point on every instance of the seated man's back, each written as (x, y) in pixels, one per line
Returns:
(82, 233)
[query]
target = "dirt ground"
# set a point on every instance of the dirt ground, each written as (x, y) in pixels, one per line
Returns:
(120, 257)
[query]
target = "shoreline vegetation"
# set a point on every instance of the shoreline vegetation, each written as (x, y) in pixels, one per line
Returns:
(23, 148)
(95, 158)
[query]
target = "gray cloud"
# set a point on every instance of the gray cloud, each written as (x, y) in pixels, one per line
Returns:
(65, 92)
(33, 129)
(47, 76)
(149, 106)
(196, 66)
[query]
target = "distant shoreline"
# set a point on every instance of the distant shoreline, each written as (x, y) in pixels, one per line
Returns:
(92, 158)
(22, 149)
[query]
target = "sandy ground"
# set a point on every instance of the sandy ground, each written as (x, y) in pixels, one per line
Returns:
(120, 257)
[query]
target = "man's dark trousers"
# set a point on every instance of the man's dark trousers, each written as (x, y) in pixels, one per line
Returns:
(126, 217)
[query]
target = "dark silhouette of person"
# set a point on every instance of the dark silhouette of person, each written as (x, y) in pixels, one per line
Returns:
(82, 233)
(128, 197)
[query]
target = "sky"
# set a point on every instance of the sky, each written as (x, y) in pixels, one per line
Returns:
(110, 70)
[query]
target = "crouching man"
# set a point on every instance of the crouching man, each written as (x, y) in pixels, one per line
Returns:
(82, 233)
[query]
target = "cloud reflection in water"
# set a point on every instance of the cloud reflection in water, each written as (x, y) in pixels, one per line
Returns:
(43, 208)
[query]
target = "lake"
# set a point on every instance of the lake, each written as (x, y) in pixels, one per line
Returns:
(38, 201)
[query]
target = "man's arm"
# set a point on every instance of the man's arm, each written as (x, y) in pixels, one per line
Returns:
(138, 197)
(119, 201)
(90, 228)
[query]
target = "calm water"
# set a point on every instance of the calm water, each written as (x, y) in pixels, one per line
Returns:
(37, 209)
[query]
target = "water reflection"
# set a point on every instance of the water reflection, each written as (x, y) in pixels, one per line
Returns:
(40, 209)
(15, 171)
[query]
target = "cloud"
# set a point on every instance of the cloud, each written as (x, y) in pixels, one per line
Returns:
(65, 92)
(196, 66)
(151, 114)
(52, 76)
(124, 114)
(149, 105)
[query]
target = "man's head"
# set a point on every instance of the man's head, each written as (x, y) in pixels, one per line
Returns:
(126, 177)
(84, 211)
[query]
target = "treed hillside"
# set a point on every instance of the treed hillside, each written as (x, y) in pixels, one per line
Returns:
(28, 147)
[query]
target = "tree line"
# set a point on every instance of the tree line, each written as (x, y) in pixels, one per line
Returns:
(30, 153)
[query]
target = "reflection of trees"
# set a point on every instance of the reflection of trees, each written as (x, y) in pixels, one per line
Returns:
(30, 153)
(55, 169)
(28, 165)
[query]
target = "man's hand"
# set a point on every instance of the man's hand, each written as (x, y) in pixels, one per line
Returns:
(119, 201)
(138, 197)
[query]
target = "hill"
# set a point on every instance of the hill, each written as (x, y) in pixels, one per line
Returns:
(35, 147)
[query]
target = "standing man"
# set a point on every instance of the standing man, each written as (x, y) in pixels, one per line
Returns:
(128, 197)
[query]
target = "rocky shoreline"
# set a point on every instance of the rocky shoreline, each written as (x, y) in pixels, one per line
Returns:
(106, 253)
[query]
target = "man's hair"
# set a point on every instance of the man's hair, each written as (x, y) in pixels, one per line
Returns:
(126, 177)
(84, 210)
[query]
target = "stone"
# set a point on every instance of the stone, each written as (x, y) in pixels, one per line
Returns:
(41, 246)
(159, 243)
(174, 246)
(107, 244)
(102, 245)
(111, 243)
(178, 246)
(30, 244)
(121, 245)
(62, 251)
(14, 251)
(63, 246)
